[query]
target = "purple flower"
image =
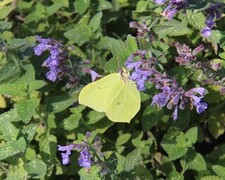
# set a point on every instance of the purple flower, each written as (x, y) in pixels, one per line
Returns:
(94, 75)
(86, 159)
(160, 1)
(173, 7)
(66, 155)
(206, 32)
(52, 74)
(141, 70)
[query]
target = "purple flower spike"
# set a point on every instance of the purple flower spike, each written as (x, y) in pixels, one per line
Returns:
(86, 159)
(55, 61)
(65, 156)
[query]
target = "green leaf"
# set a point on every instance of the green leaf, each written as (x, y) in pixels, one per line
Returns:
(12, 148)
(216, 36)
(94, 117)
(16, 170)
(211, 178)
(197, 19)
(133, 159)
(219, 170)
(174, 151)
(10, 116)
(34, 85)
(174, 175)
(37, 168)
(195, 161)
(171, 28)
(29, 131)
(72, 122)
(59, 103)
(81, 5)
(151, 117)
(17, 42)
(26, 109)
(95, 22)
(9, 71)
(103, 5)
(7, 130)
(6, 10)
(131, 43)
(191, 135)
(47, 144)
(93, 175)
(14, 89)
(53, 8)
(122, 139)
(79, 34)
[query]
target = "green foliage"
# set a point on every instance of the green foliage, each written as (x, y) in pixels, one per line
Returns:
(37, 115)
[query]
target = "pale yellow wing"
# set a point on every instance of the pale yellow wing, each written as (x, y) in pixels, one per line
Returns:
(126, 105)
(100, 94)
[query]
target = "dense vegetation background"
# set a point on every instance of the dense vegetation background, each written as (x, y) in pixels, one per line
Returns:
(46, 134)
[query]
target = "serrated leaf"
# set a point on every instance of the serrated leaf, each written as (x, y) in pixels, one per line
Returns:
(14, 89)
(9, 71)
(216, 36)
(50, 10)
(196, 19)
(92, 175)
(12, 148)
(132, 43)
(34, 85)
(59, 103)
(79, 34)
(219, 170)
(174, 175)
(94, 117)
(104, 5)
(216, 124)
(195, 161)
(133, 159)
(7, 130)
(191, 135)
(81, 5)
(122, 139)
(174, 152)
(47, 144)
(72, 122)
(10, 116)
(171, 28)
(37, 168)
(95, 22)
(26, 109)
(151, 117)
(211, 178)
(17, 42)
(29, 131)
(16, 170)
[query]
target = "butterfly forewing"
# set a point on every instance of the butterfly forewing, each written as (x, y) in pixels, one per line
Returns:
(100, 94)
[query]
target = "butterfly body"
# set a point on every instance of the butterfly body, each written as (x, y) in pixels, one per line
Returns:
(113, 94)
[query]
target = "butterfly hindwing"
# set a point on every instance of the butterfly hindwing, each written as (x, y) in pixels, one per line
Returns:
(126, 105)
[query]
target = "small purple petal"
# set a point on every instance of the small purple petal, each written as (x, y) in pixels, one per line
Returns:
(206, 32)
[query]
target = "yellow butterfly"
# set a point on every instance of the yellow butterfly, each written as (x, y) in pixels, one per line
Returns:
(114, 94)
